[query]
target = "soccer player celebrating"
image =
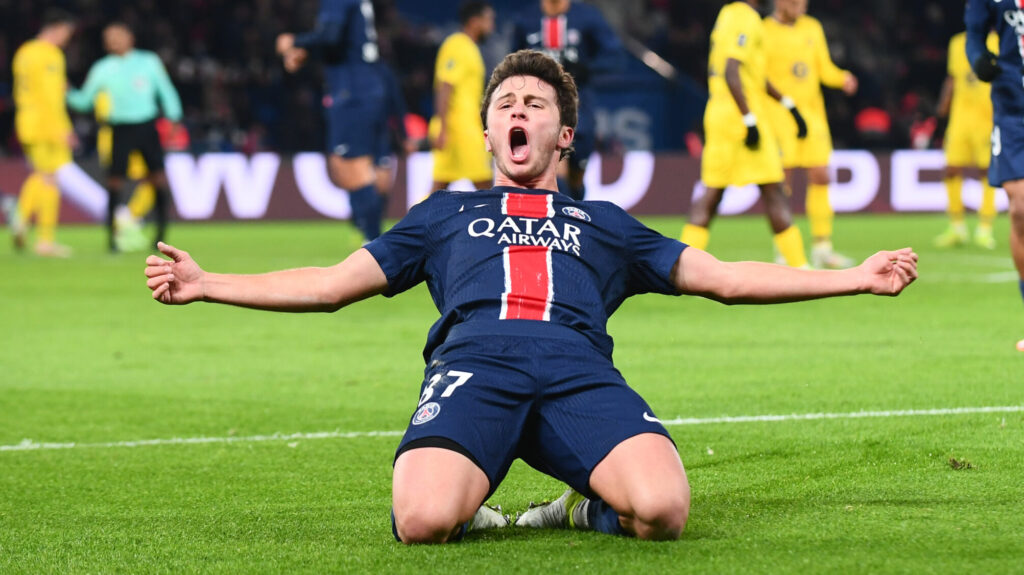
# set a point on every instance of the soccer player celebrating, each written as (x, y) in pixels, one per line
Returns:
(968, 105)
(136, 82)
(44, 130)
(740, 146)
(519, 274)
(798, 62)
(1005, 73)
(455, 130)
(355, 101)
(578, 36)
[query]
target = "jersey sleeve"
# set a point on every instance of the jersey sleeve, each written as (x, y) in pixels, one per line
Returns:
(978, 19)
(401, 252)
(330, 24)
(734, 30)
(169, 100)
(831, 75)
(652, 257)
(450, 66)
(609, 55)
(81, 100)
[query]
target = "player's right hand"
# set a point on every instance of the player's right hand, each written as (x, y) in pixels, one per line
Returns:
(176, 281)
(986, 68)
(753, 138)
(887, 273)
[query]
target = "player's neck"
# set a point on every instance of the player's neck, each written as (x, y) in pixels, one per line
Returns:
(778, 18)
(545, 181)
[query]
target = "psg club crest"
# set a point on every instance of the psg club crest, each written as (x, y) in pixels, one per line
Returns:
(425, 413)
(576, 213)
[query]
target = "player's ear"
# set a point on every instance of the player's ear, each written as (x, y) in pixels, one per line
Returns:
(487, 141)
(565, 136)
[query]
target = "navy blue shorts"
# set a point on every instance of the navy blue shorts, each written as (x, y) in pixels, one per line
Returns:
(1007, 150)
(355, 125)
(549, 398)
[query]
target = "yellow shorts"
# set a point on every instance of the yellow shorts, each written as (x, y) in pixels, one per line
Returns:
(464, 155)
(727, 162)
(968, 145)
(813, 151)
(47, 158)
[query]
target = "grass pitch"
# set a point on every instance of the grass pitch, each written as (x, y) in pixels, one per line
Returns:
(88, 359)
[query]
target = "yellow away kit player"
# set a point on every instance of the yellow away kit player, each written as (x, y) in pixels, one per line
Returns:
(740, 145)
(798, 63)
(44, 130)
(968, 104)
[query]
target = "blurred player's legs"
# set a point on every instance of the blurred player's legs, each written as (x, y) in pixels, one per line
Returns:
(39, 199)
(143, 139)
(967, 147)
(1015, 192)
(821, 216)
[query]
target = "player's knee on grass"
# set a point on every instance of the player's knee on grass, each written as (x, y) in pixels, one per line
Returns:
(660, 516)
(427, 522)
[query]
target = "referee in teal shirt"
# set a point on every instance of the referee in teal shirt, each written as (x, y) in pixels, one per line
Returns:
(136, 81)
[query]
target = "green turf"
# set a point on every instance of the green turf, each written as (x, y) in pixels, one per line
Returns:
(87, 357)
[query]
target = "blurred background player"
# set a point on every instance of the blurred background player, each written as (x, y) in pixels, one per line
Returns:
(456, 130)
(394, 140)
(740, 147)
(967, 144)
(136, 82)
(129, 236)
(1004, 72)
(579, 37)
(44, 130)
(798, 63)
(345, 38)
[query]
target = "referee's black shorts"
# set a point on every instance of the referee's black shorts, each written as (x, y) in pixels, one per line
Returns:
(127, 138)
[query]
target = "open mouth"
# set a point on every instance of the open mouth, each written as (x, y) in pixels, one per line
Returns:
(519, 144)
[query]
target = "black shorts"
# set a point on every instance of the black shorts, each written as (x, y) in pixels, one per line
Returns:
(127, 138)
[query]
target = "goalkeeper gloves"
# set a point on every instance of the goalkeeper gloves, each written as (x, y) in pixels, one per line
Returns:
(985, 67)
(801, 125)
(753, 136)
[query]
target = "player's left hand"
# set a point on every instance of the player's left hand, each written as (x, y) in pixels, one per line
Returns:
(888, 272)
(850, 84)
(284, 43)
(801, 125)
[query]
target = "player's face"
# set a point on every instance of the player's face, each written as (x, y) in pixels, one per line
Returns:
(788, 10)
(117, 39)
(63, 34)
(554, 7)
(486, 24)
(524, 129)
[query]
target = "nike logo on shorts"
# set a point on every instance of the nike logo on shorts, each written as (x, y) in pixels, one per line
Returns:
(651, 418)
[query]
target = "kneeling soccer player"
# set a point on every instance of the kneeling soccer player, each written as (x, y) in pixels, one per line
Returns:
(520, 273)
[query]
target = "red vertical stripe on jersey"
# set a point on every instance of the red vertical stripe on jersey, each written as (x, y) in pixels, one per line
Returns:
(527, 283)
(553, 32)
(528, 286)
(527, 205)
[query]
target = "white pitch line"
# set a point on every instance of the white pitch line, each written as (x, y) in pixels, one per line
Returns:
(29, 445)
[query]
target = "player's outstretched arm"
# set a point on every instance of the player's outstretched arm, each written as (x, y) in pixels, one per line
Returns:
(699, 273)
(180, 280)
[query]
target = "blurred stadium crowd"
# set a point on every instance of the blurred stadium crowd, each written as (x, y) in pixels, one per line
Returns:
(237, 97)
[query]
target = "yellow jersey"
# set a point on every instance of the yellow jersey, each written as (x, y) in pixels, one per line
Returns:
(972, 101)
(460, 64)
(39, 88)
(738, 34)
(798, 62)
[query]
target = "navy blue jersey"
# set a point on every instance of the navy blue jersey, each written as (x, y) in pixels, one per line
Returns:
(580, 39)
(345, 37)
(510, 254)
(1007, 18)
